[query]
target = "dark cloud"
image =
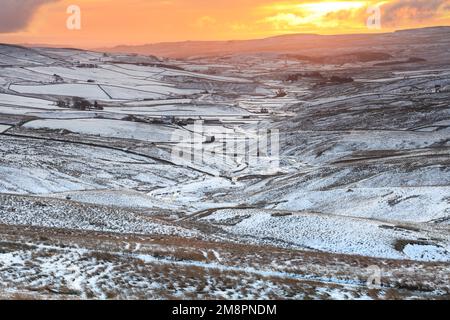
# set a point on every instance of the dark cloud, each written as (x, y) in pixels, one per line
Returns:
(413, 10)
(15, 14)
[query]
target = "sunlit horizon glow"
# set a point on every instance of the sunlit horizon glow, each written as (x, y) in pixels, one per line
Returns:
(293, 14)
(114, 22)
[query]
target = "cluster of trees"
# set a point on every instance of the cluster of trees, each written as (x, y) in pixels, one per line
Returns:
(57, 78)
(294, 77)
(86, 65)
(318, 76)
(281, 93)
(78, 104)
(337, 79)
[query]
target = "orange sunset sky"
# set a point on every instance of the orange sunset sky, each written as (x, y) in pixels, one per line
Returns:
(114, 22)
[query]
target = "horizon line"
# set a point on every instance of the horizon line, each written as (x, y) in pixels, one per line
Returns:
(63, 46)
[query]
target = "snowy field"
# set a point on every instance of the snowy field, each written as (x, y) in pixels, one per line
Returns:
(3, 128)
(333, 234)
(85, 90)
(16, 100)
(110, 128)
(182, 110)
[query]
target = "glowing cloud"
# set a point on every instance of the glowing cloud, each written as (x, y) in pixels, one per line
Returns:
(16, 14)
(317, 14)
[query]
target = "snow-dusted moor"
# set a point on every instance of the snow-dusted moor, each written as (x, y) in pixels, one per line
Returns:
(282, 168)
